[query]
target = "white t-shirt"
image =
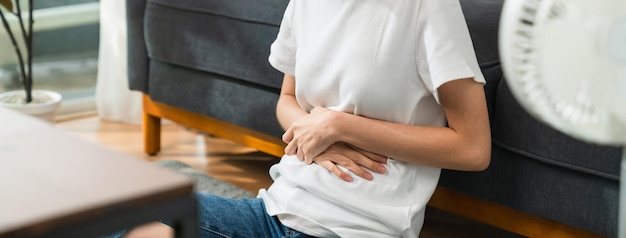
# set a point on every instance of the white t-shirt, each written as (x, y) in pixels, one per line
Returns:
(378, 59)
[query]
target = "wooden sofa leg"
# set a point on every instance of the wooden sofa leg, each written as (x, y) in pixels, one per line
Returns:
(151, 128)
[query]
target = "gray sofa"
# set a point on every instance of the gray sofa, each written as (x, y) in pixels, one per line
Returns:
(204, 65)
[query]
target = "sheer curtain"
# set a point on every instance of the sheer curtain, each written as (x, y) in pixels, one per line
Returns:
(114, 100)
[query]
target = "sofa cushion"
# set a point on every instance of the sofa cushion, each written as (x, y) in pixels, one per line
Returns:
(230, 38)
(516, 130)
(216, 96)
(268, 12)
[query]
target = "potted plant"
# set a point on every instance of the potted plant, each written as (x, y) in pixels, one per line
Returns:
(39, 103)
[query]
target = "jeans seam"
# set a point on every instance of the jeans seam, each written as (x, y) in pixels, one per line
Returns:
(213, 231)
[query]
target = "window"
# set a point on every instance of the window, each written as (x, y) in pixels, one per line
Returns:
(65, 52)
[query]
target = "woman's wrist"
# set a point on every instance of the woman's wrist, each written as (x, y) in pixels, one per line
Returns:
(336, 124)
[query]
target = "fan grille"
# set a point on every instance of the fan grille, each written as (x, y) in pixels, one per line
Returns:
(559, 67)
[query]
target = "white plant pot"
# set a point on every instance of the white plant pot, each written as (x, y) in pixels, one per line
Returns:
(44, 105)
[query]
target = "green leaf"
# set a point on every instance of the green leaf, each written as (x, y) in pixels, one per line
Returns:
(8, 4)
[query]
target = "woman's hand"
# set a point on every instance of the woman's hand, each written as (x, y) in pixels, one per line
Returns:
(310, 138)
(351, 158)
(310, 135)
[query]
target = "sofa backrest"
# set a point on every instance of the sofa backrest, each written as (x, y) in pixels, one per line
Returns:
(483, 18)
(230, 38)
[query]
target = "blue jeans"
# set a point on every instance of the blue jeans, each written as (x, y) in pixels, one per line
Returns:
(225, 217)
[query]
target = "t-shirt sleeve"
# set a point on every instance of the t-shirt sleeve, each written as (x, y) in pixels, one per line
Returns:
(445, 50)
(283, 50)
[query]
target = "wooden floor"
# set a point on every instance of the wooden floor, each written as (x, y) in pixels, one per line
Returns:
(238, 165)
(224, 160)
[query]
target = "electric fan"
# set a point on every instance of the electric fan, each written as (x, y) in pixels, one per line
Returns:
(565, 63)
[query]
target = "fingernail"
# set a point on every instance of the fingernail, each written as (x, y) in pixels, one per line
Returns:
(347, 178)
(368, 176)
(381, 169)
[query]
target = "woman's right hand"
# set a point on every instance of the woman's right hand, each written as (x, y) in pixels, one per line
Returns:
(354, 159)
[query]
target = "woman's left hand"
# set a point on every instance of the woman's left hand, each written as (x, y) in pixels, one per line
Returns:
(354, 159)
(311, 135)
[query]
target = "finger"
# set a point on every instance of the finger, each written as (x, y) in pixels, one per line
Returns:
(373, 156)
(291, 148)
(347, 159)
(371, 164)
(288, 136)
(312, 156)
(354, 167)
(359, 159)
(334, 169)
(302, 157)
(308, 159)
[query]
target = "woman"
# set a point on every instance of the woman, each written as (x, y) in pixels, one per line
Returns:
(377, 97)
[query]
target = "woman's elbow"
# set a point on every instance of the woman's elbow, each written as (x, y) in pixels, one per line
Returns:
(478, 158)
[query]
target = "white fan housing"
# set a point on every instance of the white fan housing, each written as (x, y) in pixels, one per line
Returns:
(565, 62)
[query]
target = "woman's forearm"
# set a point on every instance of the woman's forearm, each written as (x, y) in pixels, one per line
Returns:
(440, 147)
(287, 108)
(464, 145)
(288, 111)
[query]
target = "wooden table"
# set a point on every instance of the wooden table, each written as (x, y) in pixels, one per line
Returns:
(53, 184)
